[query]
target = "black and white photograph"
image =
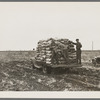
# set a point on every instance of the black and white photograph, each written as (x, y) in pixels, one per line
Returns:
(49, 46)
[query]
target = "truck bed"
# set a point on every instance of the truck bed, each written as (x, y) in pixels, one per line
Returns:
(66, 65)
(40, 64)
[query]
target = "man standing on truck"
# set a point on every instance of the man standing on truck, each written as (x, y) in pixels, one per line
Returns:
(78, 50)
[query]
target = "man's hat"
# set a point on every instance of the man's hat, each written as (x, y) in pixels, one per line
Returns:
(77, 39)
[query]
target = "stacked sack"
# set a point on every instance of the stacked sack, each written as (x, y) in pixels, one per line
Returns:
(45, 51)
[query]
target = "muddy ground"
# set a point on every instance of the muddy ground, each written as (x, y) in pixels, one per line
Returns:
(17, 74)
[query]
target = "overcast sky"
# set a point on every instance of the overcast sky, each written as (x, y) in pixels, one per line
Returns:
(23, 24)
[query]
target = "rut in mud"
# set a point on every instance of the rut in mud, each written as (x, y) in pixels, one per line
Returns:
(19, 76)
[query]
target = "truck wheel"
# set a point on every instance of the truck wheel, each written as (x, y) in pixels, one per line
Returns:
(44, 69)
(33, 66)
(47, 70)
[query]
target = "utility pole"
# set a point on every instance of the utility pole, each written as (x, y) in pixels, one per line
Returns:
(92, 45)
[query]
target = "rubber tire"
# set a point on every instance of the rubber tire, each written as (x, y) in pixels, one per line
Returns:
(49, 69)
(46, 70)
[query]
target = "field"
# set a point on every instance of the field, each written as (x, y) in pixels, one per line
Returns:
(17, 74)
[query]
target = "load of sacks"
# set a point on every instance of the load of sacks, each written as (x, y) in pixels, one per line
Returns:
(45, 51)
